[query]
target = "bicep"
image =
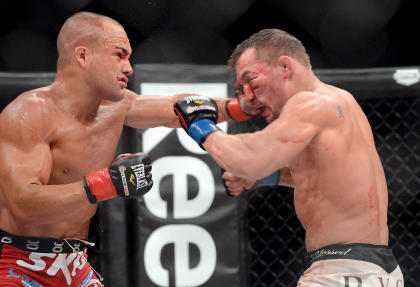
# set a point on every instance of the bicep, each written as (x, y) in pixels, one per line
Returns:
(22, 166)
(256, 155)
(24, 150)
(276, 146)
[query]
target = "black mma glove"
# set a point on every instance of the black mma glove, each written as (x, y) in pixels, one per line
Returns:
(198, 116)
(129, 176)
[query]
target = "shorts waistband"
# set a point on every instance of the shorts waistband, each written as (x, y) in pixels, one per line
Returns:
(380, 255)
(43, 245)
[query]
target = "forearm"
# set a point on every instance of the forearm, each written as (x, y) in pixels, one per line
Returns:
(37, 204)
(153, 111)
(237, 154)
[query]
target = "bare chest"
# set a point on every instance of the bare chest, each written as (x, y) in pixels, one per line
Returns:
(79, 149)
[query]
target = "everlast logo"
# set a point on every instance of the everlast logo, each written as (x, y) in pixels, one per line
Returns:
(355, 281)
(195, 99)
(140, 177)
(190, 110)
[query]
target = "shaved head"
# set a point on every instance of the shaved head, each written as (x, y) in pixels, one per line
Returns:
(83, 28)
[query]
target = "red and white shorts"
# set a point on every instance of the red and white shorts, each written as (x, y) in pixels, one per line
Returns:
(351, 265)
(44, 262)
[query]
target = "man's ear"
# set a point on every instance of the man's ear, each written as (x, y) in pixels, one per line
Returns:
(80, 54)
(285, 64)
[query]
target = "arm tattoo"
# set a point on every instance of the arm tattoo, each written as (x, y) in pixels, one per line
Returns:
(340, 111)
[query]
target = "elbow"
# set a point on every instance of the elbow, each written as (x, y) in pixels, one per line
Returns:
(21, 218)
(22, 214)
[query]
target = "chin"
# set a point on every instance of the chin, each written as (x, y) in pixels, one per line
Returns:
(120, 95)
(117, 97)
(271, 118)
(268, 117)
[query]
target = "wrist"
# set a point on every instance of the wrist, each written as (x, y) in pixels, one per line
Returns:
(199, 130)
(99, 186)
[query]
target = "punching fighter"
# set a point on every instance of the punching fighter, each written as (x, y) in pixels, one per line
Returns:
(57, 145)
(319, 141)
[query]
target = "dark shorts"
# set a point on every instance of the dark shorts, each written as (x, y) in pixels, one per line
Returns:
(357, 264)
(42, 262)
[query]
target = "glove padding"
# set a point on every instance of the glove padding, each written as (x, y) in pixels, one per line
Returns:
(129, 176)
(194, 108)
(198, 116)
(236, 107)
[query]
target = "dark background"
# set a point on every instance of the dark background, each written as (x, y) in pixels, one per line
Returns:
(337, 33)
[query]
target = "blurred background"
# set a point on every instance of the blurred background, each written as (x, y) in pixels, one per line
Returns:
(337, 33)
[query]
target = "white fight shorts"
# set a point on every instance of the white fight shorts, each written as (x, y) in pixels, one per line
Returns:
(351, 265)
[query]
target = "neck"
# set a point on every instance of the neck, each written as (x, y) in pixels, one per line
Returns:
(75, 98)
(307, 82)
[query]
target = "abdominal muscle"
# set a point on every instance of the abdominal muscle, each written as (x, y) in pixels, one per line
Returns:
(344, 212)
(76, 227)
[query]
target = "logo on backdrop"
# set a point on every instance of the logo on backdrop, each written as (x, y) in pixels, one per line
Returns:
(180, 236)
(406, 77)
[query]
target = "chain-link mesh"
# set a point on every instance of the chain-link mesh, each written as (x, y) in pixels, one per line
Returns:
(276, 236)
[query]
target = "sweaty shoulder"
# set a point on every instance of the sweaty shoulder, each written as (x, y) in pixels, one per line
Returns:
(28, 119)
(322, 109)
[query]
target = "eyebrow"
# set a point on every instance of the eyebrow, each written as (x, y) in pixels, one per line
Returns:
(244, 74)
(124, 50)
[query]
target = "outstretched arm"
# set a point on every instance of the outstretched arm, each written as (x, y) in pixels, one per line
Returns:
(153, 111)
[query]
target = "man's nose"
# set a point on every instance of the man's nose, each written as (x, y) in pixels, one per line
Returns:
(127, 69)
(248, 94)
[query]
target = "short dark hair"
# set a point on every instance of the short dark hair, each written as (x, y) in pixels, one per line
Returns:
(274, 42)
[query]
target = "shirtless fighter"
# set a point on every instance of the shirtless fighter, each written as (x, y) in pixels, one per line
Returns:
(321, 142)
(55, 145)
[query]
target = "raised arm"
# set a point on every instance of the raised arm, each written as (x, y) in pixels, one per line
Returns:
(257, 155)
